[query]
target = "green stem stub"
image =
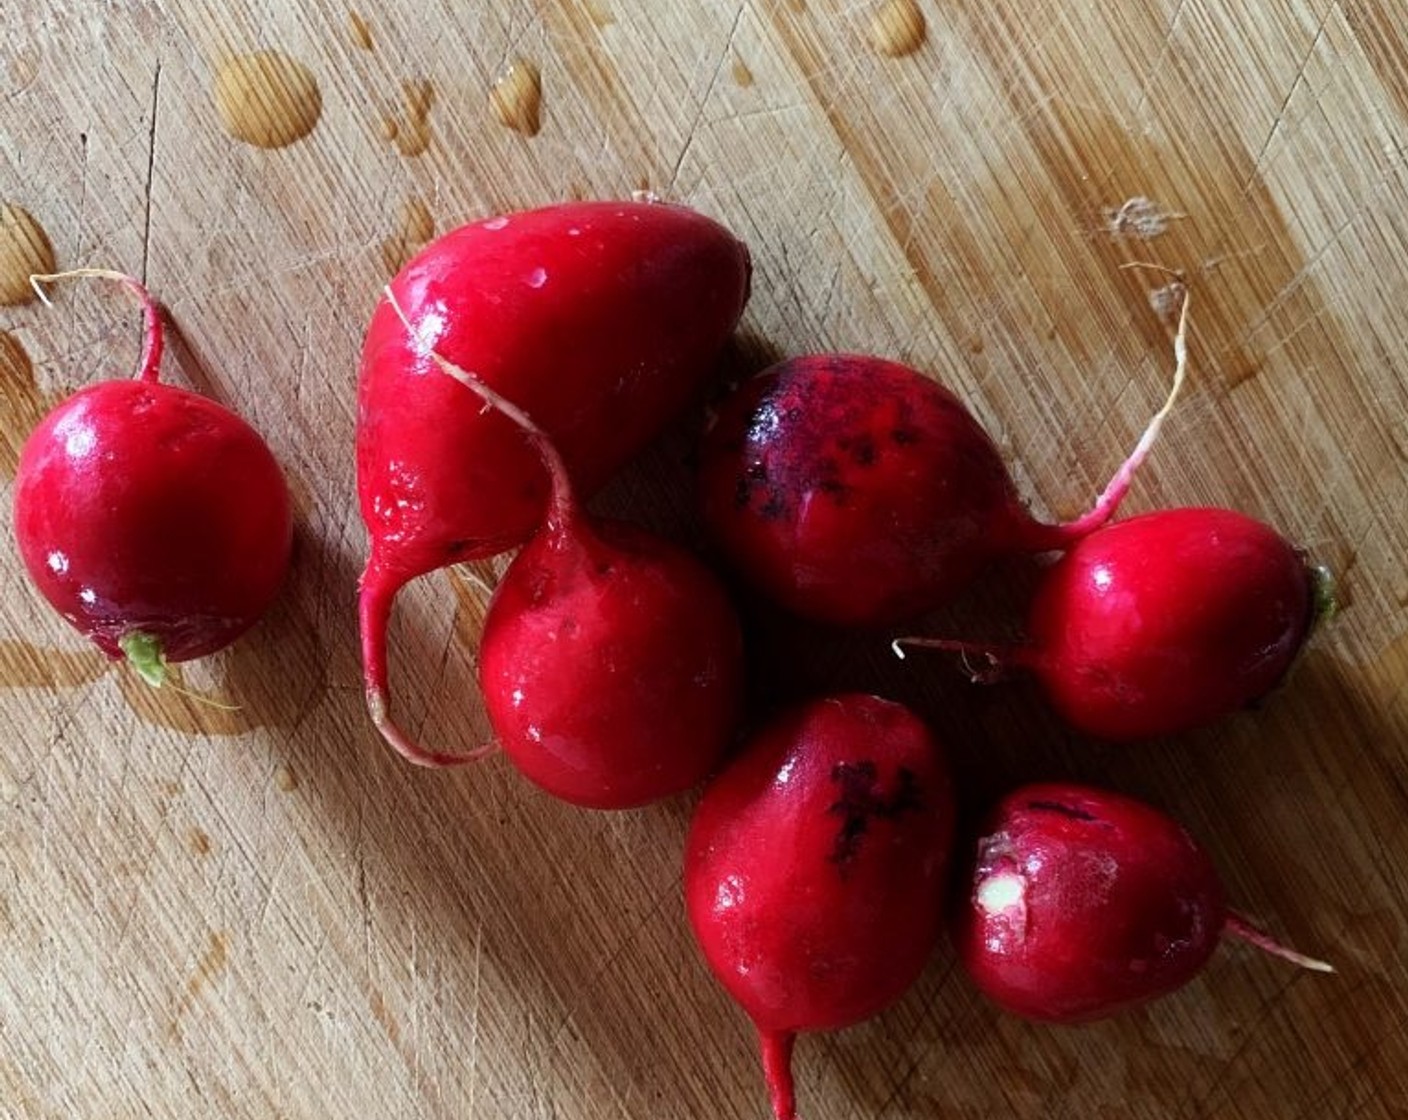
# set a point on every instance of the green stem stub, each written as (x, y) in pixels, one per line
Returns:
(144, 654)
(1323, 591)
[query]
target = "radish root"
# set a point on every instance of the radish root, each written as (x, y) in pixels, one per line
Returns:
(153, 338)
(1054, 537)
(1239, 926)
(379, 586)
(563, 501)
(1000, 659)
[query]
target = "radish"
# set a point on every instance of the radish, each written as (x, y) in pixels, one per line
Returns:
(1162, 623)
(857, 491)
(153, 519)
(598, 319)
(814, 870)
(1081, 902)
(611, 661)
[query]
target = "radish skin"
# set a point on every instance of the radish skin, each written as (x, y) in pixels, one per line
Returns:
(856, 491)
(1080, 903)
(1161, 623)
(814, 870)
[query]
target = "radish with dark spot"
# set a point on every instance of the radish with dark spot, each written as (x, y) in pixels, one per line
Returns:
(857, 491)
(153, 519)
(611, 661)
(814, 870)
(1162, 623)
(1079, 903)
(599, 319)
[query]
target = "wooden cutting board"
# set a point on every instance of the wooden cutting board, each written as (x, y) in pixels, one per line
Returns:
(262, 913)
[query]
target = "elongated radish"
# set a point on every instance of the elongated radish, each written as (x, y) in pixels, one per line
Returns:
(598, 319)
(1079, 903)
(611, 662)
(857, 491)
(814, 870)
(1162, 623)
(153, 519)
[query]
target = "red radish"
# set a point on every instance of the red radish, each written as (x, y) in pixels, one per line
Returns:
(857, 491)
(814, 870)
(1164, 622)
(611, 661)
(153, 519)
(598, 319)
(1080, 902)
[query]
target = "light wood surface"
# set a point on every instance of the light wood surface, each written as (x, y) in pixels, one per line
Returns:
(262, 913)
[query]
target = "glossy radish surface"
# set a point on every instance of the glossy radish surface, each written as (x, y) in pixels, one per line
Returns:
(1079, 902)
(1166, 622)
(611, 664)
(611, 661)
(598, 319)
(857, 491)
(814, 870)
(153, 519)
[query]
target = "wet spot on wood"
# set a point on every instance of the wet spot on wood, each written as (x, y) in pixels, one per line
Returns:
(267, 99)
(24, 250)
(385, 1019)
(742, 76)
(598, 13)
(517, 97)
(23, 665)
(897, 28)
(210, 965)
(200, 842)
(285, 779)
(411, 134)
(22, 404)
(360, 30)
(415, 226)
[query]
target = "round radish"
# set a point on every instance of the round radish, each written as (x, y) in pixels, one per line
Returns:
(598, 319)
(1080, 902)
(611, 661)
(856, 491)
(1164, 622)
(814, 870)
(153, 519)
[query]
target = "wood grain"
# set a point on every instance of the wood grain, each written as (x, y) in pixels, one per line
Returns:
(261, 913)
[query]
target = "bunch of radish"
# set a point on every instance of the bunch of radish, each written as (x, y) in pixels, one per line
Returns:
(855, 491)
(509, 370)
